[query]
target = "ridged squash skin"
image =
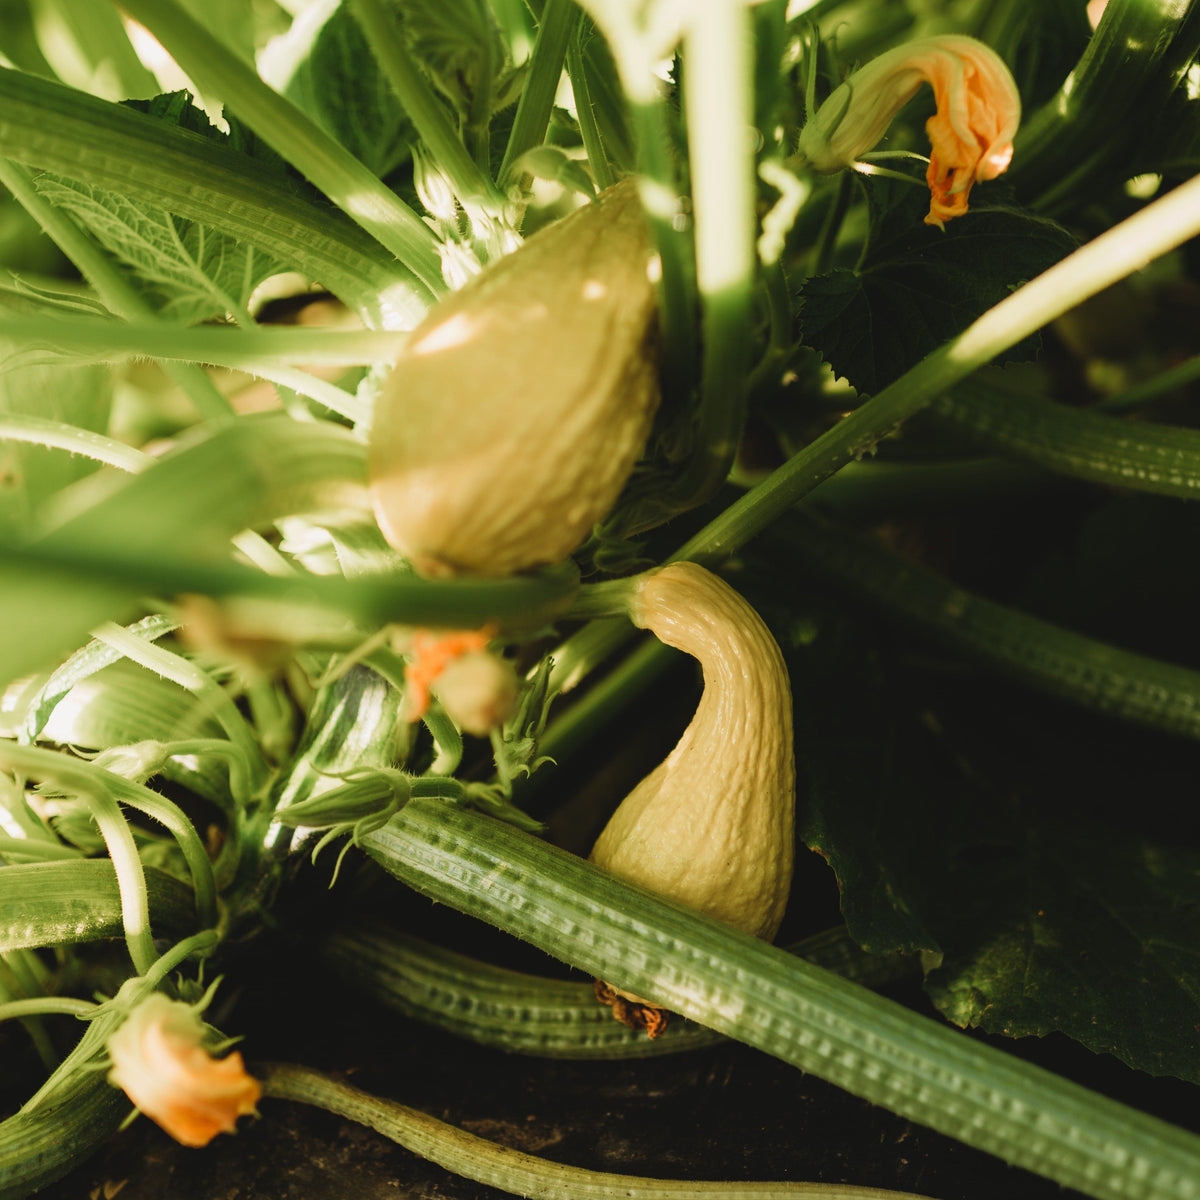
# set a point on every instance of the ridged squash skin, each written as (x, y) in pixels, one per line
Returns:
(713, 826)
(518, 407)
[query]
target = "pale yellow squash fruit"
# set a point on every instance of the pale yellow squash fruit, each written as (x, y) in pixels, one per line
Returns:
(713, 825)
(518, 407)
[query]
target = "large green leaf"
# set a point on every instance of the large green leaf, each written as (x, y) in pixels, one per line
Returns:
(324, 65)
(918, 287)
(29, 474)
(1077, 929)
(187, 271)
(942, 810)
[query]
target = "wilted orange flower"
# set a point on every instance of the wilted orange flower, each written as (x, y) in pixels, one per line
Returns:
(477, 689)
(432, 653)
(159, 1062)
(978, 111)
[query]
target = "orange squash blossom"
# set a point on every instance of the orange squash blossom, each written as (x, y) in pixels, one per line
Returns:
(160, 1063)
(971, 134)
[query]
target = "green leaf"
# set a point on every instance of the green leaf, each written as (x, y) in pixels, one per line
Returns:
(325, 66)
(459, 46)
(88, 47)
(1070, 928)
(178, 109)
(30, 474)
(953, 835)
(57, 129)
(188, 272)
(861, 796)
(919, 287)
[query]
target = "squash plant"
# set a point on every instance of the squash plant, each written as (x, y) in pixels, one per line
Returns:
(941, 441)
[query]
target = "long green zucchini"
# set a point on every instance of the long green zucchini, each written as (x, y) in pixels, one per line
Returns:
(42, 1145)
(789, 1008)
(531, 1014)
(1090, 673)
(56, 903)
(1076, 442)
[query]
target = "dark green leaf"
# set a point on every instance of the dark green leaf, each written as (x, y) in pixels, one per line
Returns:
(179, 110)
(862, 797)
(326, 68)
(919, 287)
(1074, 929)
(996, 833)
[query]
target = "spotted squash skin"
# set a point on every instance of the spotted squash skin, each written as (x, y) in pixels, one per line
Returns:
(518, 407)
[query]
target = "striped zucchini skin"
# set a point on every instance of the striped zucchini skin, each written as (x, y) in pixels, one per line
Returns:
(531, 1014)
(758, 994)
(42, 1145)
(1093, 674)
(60, 903)
(1075, 442)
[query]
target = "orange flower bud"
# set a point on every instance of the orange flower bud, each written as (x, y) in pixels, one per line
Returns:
(978, 111)
(159, 1062)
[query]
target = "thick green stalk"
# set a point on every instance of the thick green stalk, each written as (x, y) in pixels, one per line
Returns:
(512, 1170)
(45, 1006)
(555, 33)
(1120, 251)
(718, 86)
(357, 191)
(607, 96)
(251, 349)
(55, 128)
(474, 189)
(112, 567)
(589, 126)
(659, 191)
(760, 995)
(41, 431)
